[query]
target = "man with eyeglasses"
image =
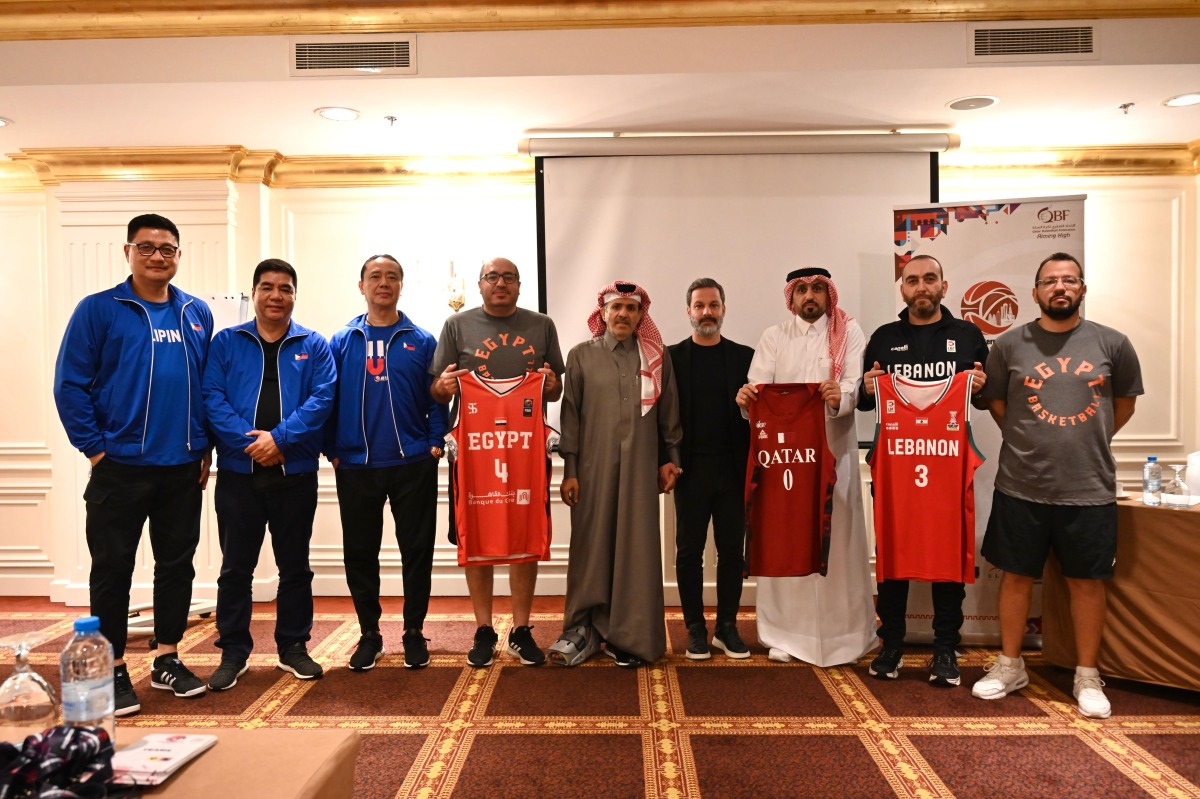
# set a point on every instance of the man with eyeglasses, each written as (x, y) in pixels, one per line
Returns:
(268, 390)
(499, 340)
(1059, 388)
(927, 343)
(384, 438)
(127, 387)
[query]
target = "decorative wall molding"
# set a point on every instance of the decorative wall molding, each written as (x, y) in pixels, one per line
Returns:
(19, 176)
(231, 162)
(94, 19)
(1112, 161)
(34, 169)
(305, 172)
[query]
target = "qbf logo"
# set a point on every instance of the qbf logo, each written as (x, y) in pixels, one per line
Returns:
(1048, 215)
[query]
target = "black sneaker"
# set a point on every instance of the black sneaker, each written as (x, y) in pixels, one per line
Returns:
(296, 660)
(697, 648)
(727, 639)
(226, 675)
(169, 674)
(624, 659)
(886, 665)
(416, 653)
(126, 701)
(370, 649)
(484, 647)
(521, 645)
(944, 669)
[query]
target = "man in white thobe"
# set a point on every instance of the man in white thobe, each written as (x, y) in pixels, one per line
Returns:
(823, 620)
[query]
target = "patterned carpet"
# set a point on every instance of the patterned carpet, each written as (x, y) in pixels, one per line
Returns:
(682, 729)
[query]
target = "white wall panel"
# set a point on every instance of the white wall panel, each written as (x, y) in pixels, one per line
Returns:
(25, 466)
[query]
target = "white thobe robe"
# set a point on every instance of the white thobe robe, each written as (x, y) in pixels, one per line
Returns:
(826, 620)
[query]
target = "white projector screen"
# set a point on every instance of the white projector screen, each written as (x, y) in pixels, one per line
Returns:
(744, 220)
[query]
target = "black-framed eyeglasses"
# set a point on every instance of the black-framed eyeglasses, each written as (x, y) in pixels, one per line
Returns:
(147, 249)
(1069, 282)
(495, 277)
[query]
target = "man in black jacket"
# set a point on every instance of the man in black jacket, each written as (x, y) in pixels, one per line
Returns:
(926, 343)
(709, 370)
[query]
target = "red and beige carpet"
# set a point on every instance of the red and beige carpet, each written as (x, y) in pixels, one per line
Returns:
(680, 729)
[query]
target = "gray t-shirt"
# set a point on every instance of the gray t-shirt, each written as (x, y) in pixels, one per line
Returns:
(1058, 426)
(498, 347)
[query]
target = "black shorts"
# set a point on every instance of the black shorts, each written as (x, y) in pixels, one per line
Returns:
(1020, 534)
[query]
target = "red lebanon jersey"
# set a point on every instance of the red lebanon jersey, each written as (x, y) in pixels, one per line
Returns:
(789, 482)
(923, 464)
(501, 473)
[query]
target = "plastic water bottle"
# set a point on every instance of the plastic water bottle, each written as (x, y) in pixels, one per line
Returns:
(87, 678)
(1152, 482)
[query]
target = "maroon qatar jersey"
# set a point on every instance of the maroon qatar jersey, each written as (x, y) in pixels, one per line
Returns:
(789, 482)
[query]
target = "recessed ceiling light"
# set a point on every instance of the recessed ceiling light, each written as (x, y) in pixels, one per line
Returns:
(336, 113)
(4, 122)
(1182, 100)
(972, 103)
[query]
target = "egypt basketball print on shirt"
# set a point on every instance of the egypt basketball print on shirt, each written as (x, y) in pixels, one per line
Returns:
(501, 471)
(510, 345)
(923, 463)
(1083, 392)
(789, 482)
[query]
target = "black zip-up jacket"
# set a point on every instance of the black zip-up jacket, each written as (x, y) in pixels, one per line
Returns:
(953, 346)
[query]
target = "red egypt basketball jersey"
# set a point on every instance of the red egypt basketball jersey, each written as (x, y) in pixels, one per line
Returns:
(502, 471)
(923, 464)
(789, 482)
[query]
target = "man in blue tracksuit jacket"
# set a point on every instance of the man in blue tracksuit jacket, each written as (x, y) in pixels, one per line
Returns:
(268, 389)
(127, 387)
(384, 439)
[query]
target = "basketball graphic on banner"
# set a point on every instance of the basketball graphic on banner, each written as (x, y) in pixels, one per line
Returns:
(991, 306)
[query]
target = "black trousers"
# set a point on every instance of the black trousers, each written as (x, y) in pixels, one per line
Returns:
(119, 500)
(947, 612)
(245, 509)
(711, 487)
(411, 490)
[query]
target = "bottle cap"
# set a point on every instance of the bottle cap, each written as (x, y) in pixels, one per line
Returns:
(87, 624)
(1152, 458)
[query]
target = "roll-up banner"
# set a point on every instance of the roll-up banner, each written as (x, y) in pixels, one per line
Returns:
(989, 251)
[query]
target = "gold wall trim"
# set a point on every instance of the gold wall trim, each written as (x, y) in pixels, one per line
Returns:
(32, 169)
(16, 176)
(311, 172)
(1117, 160)
(94, 19)
(55, 166)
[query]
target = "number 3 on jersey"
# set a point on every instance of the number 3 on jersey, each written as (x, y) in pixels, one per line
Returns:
(922, 478)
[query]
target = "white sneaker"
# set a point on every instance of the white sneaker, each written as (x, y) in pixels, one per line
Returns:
(1093, 704)
(1003, 677)
(778, 655)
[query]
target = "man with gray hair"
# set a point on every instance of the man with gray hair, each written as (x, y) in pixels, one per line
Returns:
(620, 447)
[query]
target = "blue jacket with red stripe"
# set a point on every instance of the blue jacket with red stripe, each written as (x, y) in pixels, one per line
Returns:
(419, 421)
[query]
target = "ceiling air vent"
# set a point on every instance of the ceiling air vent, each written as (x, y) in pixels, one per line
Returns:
(992, 42)
(360, 56)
